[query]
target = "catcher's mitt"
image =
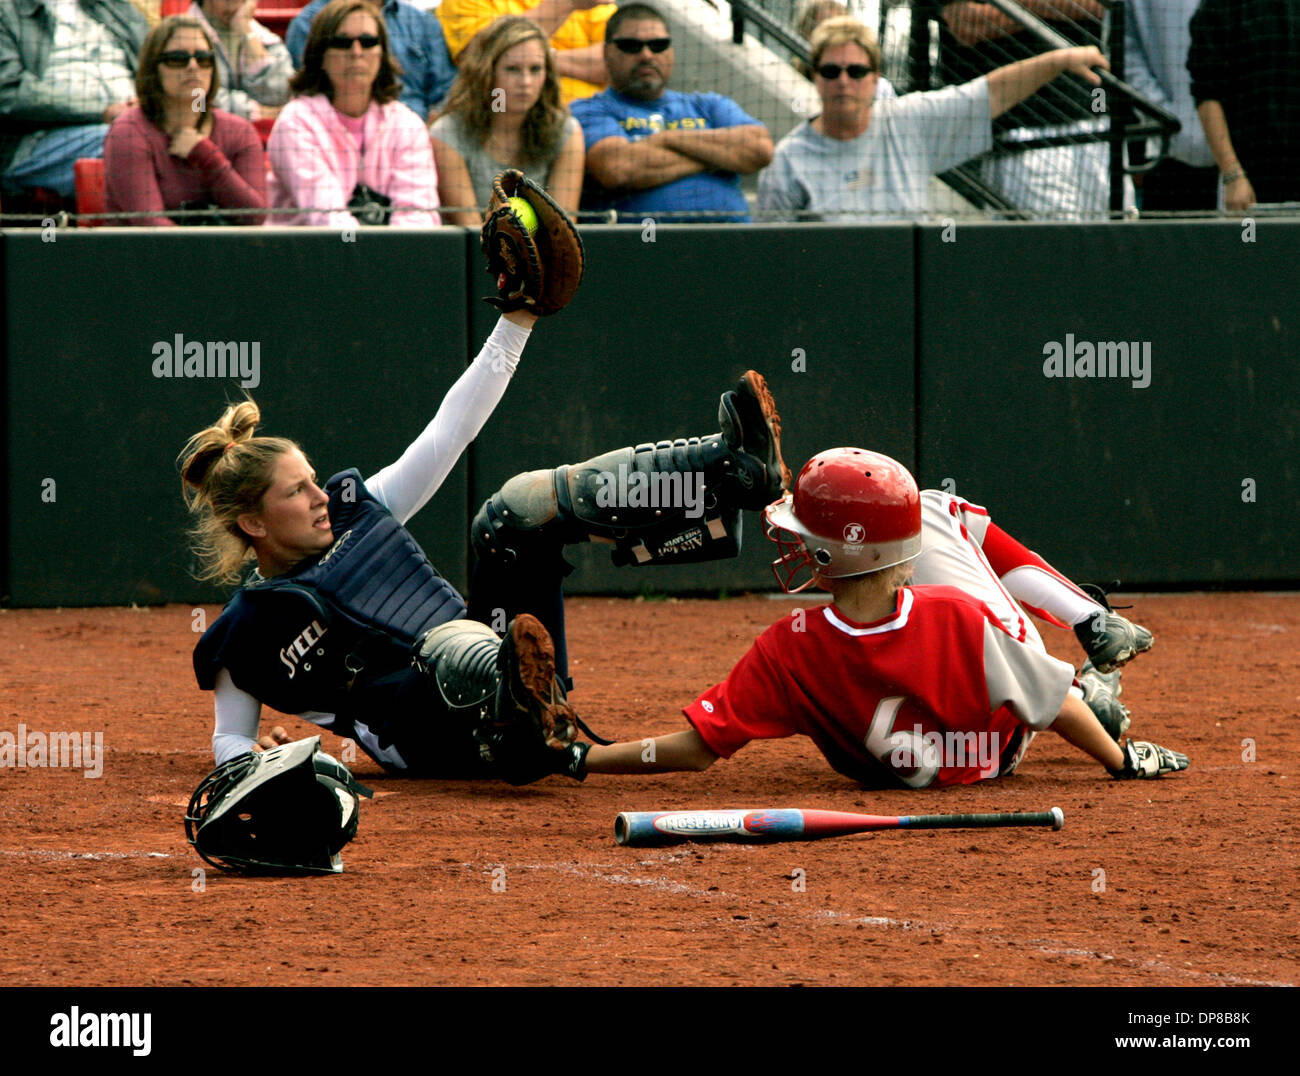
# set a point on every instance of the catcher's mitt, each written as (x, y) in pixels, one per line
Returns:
(538, 272)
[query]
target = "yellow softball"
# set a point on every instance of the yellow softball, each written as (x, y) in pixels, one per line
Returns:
(525, 214)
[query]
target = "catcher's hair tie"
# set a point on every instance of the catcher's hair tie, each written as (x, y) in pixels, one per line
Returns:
(229, 446)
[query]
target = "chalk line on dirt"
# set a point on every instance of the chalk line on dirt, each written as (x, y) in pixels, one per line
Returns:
(1048, 947)
(54, 853)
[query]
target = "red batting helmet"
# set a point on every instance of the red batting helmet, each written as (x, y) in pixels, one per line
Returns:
(851, 512)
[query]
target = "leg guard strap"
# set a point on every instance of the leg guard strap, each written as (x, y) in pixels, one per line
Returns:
(674, 502)
(523, 516)
(668, 503)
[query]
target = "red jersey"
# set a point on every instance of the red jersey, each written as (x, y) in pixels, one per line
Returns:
(938, 693)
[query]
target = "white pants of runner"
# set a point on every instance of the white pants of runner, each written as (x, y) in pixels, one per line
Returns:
(951, 555)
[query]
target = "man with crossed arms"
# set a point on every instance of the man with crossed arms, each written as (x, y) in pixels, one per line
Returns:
(652, 151)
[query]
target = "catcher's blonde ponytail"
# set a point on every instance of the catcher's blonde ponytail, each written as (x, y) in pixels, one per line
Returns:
(225, 471)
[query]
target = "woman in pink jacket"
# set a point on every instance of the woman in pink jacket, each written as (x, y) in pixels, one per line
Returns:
(345, 150)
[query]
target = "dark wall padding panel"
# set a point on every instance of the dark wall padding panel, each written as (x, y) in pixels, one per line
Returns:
(357, 343)
(923, 342)
(1190, 479)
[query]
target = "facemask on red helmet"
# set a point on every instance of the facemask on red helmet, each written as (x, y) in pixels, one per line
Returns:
(851, 512)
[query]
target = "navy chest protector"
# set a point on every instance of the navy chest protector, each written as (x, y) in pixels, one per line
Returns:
(314, 638)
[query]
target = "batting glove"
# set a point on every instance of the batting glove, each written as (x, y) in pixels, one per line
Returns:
(1143, 759)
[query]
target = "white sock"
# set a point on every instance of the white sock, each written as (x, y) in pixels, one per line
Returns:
(1043, 590)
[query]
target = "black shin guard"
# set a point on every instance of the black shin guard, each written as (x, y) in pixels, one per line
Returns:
(675, 502)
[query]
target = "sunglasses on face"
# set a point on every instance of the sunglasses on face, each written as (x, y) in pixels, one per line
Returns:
(633, 45)
(179, 59)
(342, 41)
(857, 72)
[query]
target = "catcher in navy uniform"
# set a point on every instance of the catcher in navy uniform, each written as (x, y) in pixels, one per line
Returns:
(344, 621)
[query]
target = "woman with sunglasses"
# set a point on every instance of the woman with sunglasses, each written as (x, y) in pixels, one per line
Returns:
(172, 151)
(809, 15)
(345, 150)
(510, 64)
(869, 159)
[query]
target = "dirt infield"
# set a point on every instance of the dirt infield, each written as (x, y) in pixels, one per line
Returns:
(1191, 880)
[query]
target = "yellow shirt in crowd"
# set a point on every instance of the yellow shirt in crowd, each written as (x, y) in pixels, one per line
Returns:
(462, 19)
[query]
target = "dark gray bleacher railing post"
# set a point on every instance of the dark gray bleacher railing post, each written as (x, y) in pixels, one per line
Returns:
(918, 54)
(741, 10)
(1162, 124)
(1119, 109)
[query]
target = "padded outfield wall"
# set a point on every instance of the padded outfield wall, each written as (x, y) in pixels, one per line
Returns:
(933, 344)
(1183, 471)
(355, 345)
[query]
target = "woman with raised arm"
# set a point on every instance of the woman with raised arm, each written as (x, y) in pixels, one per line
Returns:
(344, 622)
(324, 624)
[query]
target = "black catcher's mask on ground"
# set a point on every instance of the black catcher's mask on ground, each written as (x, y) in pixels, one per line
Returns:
(284, 811)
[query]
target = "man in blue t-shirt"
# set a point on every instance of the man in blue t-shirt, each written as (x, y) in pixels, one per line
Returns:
(655, 152)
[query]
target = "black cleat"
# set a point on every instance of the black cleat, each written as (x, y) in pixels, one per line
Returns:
(751, 427)
(1110, 639)
(530, 693)
(1101, 692)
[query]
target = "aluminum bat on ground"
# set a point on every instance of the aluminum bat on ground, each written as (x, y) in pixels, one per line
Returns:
(789, 824)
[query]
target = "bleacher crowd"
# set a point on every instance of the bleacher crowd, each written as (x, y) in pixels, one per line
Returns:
(382, 112)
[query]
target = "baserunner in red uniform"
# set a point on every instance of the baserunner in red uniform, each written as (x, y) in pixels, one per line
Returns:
(942, 682)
